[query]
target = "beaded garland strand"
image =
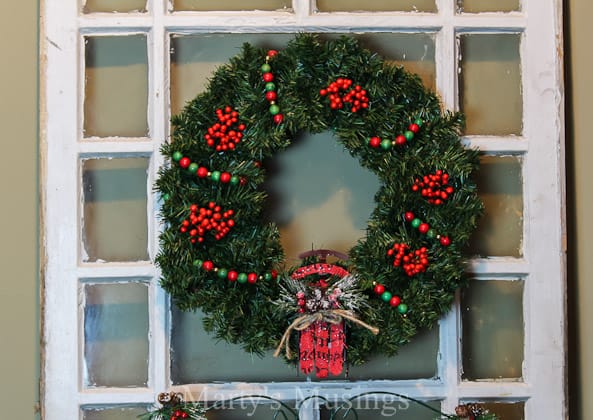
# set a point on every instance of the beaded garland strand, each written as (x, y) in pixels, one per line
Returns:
(218, 254)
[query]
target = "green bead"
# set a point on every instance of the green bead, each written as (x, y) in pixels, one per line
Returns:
(386, 296)
(268, 276)
(386, 144)
(242, 278)
(266, 68)
(235, 180)
(215, 176)
(270, 86)
(177, 156)
(409, 135)
(166, 197)
(222, 273)
(431, 233)
(418, 122)
(193, 167)
(198, 263)
(402, 308)
(274, 109)
(416, 222)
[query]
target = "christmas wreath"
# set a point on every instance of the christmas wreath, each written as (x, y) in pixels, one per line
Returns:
(220, 255)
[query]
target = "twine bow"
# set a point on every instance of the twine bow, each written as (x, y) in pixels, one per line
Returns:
(333, 316)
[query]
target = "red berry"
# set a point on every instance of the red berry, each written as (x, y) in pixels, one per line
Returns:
(184, 162)
(278, 118)
(202, 172)
(414, 128)
(375, 141)
(232, 275)
(225, 177)
(272, 53)
(271, 95)
(251, 278)
(423, 228)
(379, 289)
(400, 140)
(409, 216)
(268, 77)
(208, 265)
(274, 274)
(445, 241)
(395, 301)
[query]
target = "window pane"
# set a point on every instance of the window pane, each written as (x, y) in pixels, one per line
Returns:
(116, 86)
(506, 411)
(490, 84)
(205, 5)
(194, 58)
(500, 230)
(492, 316)
(116, 334)
(198, 357)
(251, 409)
(112, 413)
(386, 406)
(376, 5)
(115, 222)
(476, 6)
(93, 6)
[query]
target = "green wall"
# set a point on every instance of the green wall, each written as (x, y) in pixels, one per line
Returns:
(19, 238)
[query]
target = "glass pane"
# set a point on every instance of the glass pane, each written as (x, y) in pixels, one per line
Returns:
(251, 409)
(116, 86)
(197, 356)
(500, 230)
(490, 84)
(194, 58)
(387, 406)
(205, 5)
(94, 6)
(376, 5)
(492, 316)
(115, 223)
(112, 413)
(116, 334)
(476, 6)
(506, 411)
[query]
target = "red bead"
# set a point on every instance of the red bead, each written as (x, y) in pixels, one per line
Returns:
(202, 172)
(375, 141)
(400, 140)
(271, 95)
(445, 241)
(379, 289)
(184, 162)
(409, 216)
(225, 177)
(184, 415)
(251, 278)
(208, 265)
(268, 77)
(423, 228)
(178, 413)
(274, 274)
(395, 301)
(272, 53)
(278, 118)
(232, 275)
(414, 128)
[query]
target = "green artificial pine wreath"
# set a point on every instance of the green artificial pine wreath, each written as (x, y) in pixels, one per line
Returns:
(219, 255)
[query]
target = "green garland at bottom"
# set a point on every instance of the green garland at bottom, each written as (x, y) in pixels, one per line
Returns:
(174, 408)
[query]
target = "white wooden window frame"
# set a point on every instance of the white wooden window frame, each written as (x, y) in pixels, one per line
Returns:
(542, 266)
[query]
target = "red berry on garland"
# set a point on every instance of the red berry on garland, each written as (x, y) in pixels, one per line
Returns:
(251, 278)
(208, 265)
(268, 77)
(278, 118)
(423, 228)
(232, 275)
(225, 177)
(400, 140)
(394, 301)
(184, 162)
(271, 96)
(375, 141)
(414, 128)
(272, 53)
(274, 274)
(409, 216)
(202, 172)
(379, 289)
(445, 241)
(184, 415)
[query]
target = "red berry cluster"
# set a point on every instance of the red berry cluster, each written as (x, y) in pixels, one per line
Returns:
(434, 187)
(225, 134)
(179, 414)
(271, 95)
(202, 219)
(414, 262)
(356, 96)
